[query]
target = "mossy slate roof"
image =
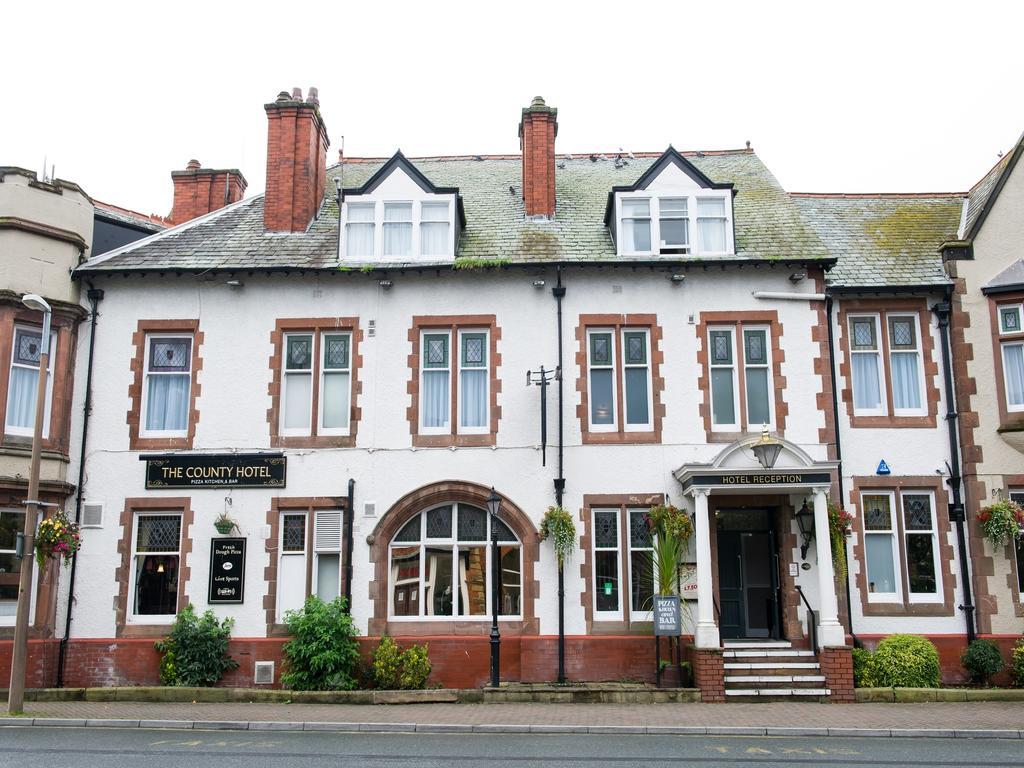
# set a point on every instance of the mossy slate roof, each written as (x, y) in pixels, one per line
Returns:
(883, 240)
(768, 222)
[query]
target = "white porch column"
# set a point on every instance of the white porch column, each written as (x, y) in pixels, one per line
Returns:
(830, 631)
(707, 630)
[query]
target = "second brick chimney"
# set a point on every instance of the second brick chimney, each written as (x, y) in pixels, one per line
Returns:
(296, 161)
(537, 132)
(198, 190)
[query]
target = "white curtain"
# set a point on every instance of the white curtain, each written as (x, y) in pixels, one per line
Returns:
(434, 238)
(866, 393)
(359, 240)
(335, 400)
(167, 403)
(398, 229)
(435, 398)
(636, 235)
(1013, 362)
(21, 400)
(881, 571)
(906, 391)
(711, 231)
(473, 398)
(298, 394)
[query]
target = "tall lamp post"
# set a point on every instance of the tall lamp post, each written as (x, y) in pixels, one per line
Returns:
(493, 502)
(16, 694)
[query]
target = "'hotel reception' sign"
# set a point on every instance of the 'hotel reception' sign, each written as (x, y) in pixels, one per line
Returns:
(754, 479)
(216, 470)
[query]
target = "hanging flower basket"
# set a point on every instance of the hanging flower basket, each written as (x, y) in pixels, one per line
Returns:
(839, 522)
(1002, 522)
(224, 524)
(57, 537)
(558, 525)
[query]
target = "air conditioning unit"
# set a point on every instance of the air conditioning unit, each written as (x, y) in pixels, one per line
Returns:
(263, 673)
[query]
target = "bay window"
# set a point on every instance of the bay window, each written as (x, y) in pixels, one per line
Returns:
(737, 379)
(605, 349)
(24, 380)
(168, 385)
(440, 566)
(662, 224)
(1011, 348)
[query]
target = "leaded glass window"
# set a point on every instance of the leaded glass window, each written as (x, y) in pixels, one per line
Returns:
(155, 562)
(723, 379)
(168, 384)
(23, 383)
(879, 542)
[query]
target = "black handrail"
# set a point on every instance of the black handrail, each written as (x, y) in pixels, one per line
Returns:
(811, 620)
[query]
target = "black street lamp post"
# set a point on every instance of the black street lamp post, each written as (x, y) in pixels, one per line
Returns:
(493, 502)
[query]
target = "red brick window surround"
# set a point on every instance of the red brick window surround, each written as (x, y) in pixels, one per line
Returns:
(163, 394)
(620, 384)
(314, 387)
(454, 381)
(904, 557)
(616, 562)
(154, 550)
(740, 357)
(888, 363)
(1007, 318)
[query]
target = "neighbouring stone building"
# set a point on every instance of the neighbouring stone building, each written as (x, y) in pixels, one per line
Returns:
(340, 366)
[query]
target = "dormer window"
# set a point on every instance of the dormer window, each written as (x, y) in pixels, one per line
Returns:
(711, 224)
(435, 223)
(636, 225)
(359, 230)
(673, 222)
(397, 229)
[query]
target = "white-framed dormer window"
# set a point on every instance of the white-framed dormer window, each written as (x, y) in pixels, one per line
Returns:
(1011, 347)
(168, 385)
(921, 540)
(724, 379)
(24, 380)
(651, 224)
(398, 229)
(866, 364)
(881, 548)
(359, 229)
(905, 365)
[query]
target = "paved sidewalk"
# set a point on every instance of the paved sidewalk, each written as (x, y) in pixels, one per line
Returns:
(1001, 716)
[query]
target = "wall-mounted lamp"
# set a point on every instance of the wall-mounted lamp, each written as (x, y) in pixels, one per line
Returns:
(385, 284)
(805, 521)
(234, 283)
(538, 283)
(767, 449)
(676, 278)
(796, 277)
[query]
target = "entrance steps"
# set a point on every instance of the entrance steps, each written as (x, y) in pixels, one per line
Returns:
(772, 670)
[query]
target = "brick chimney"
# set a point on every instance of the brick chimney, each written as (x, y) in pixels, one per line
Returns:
(537, 132)
(296, 161)
(198, 190)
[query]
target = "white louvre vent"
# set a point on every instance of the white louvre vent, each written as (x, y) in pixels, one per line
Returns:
(370, 509)
(327, 530)
(263, 673)
(92, 515)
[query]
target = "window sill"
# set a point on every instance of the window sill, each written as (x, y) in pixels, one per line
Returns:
(892, 422)
(620, 438)
(146, 630)
(312, 441)
(159, 443)
(457, 441)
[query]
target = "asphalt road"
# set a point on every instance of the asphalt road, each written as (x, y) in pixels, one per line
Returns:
(27, 747)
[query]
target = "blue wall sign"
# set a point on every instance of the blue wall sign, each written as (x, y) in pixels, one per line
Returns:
(883, 468)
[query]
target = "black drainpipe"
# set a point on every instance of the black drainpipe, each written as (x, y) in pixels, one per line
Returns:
(839, 453)
(559, 293)
(943, 311)
(95, 295)
(350, 519)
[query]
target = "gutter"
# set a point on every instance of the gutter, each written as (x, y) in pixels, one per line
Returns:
(957, 510)
(95, 295)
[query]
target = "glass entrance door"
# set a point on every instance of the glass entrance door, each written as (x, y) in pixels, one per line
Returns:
(748, 583)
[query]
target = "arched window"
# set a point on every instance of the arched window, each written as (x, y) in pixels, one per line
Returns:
(440, 565)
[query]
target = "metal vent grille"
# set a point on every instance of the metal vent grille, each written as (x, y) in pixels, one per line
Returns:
(327, 530)
(92, 515)
(263, 673)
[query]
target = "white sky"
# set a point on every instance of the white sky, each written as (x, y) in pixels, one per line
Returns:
(893, 96)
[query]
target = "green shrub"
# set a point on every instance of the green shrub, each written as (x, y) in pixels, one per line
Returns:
(393, 669)
(1017, 662)
(322, 654)
(387, 664)
(983, 660)
(863, 672)
(196, 651)
(415, 668)
(905, 661)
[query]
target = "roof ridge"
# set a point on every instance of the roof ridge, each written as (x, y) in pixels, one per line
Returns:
(558, 155)
(882, 195)
(152, 218)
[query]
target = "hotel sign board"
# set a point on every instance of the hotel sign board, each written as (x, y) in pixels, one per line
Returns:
(216, 470)
(755, 479)
(227, 571)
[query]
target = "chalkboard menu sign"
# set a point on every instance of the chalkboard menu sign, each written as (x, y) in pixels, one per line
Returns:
(227, 571)
(666, 616)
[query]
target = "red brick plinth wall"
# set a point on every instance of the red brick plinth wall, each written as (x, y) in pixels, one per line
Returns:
(837, 667)
(709, 674)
